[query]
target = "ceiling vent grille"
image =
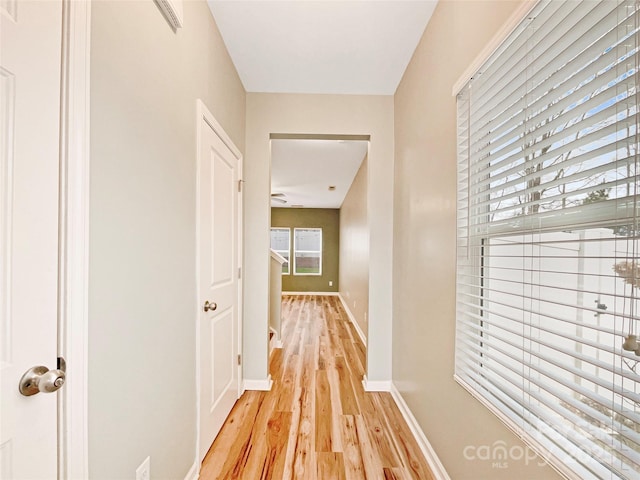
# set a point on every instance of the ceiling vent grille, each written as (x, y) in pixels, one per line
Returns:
(173, 12)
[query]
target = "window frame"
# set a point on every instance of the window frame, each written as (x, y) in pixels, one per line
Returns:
(477, 308)
(320, 252)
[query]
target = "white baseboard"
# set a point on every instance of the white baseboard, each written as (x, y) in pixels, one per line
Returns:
(262, 385)
(429, 453)
(353, 321)
(330, 294)
(193, 473)
(376, 385)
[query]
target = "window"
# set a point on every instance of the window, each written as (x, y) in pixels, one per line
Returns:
(548, 236)
(307, 257)
(281, 244)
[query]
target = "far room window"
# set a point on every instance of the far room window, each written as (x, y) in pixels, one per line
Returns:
(307, 258)
(281, 244)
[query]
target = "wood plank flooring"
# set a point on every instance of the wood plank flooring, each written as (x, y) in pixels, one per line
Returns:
(316, 423)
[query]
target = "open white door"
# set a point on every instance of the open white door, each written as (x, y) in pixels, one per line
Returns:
(30, 58)
(219, 164)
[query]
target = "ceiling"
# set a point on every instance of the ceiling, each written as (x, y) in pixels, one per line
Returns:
(359, 47)
(356, 47)
(303, 170)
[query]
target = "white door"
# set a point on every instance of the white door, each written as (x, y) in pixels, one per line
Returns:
(30, 38)
(218, 255)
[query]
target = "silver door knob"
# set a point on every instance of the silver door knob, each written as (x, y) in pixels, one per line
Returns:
(41, 379)
(210, 306)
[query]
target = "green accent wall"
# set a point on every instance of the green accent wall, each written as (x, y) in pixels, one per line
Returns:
(328, 219)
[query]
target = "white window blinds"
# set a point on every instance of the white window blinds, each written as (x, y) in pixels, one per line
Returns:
(548, 236)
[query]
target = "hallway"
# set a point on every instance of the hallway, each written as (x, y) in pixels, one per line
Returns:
(316, 422)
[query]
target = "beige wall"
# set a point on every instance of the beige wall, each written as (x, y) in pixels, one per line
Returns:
(318, 114)
(425, 238)
(354, 248)
(329, 220)
(145, 80)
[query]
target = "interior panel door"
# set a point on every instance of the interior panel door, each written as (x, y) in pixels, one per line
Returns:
(218, 283)
(30, 56)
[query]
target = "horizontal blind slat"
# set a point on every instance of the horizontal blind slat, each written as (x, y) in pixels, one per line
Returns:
(586, 393)
(612, 387)
(564, 397)
(579, 439)
(619, 353)
(571, 68)
(541, 39)
(491, 384)
(489, 167)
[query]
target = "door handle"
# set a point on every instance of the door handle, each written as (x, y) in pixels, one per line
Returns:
(210, 306)
(41, 379)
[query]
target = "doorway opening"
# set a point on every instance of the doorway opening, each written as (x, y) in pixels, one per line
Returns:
(320, 222)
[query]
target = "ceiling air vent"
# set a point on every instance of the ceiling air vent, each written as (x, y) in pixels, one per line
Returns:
(173, 12)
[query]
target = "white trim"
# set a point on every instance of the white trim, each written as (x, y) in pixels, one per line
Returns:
(240, 270)
(203, 115)
(194, 472)
(361, 334)
(438, 470)
(75, 161)
(196, 310)
(260, 385)
(501, 35)
(207, 116)
(275, 341)
(376, 385)
(276, 256)
(324, 294)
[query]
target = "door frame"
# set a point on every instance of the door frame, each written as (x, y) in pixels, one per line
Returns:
(73, 249)
(204, 116)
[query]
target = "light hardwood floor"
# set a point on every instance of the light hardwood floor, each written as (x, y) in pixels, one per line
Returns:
(316, 423)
